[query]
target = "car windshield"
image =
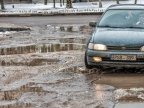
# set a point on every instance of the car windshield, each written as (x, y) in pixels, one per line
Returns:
(123, 19)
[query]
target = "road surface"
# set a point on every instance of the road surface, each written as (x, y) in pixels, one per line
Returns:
(81, 19)
(44, 68)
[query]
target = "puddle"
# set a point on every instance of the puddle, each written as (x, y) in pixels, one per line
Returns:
(16, 94)
(129, 105)
(13, 29)
(43, 48)
(32, 62)
(17, 105)
(28, 82)
(70, 28)
(73, 40)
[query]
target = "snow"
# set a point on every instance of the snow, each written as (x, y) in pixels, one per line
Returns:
(129, 92)
(41, 9)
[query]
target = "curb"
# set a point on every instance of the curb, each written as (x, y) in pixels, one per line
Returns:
(58, 12)
(30, 15)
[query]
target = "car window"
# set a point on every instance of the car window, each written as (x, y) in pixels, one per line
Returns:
(123, 19)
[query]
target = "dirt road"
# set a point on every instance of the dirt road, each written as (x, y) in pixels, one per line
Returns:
(79, 19)
(44, 68)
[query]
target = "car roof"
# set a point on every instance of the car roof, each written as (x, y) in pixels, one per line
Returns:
(127, 6)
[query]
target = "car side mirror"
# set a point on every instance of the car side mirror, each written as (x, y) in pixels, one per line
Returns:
(92, 24)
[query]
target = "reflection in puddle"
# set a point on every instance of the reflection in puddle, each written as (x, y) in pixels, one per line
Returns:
(32, 62)
(51, 89)
(43, 48)
(72, 40)
(14, 96)
(70, 28)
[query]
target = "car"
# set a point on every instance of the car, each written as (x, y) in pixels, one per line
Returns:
(118, 39)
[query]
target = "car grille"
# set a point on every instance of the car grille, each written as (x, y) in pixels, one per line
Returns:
(123, 48)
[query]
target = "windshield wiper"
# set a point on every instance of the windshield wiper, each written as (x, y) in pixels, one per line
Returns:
(135, 27)
(108, 26)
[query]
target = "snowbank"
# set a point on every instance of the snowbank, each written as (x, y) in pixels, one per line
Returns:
(41, 9)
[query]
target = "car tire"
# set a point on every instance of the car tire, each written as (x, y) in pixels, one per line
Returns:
(86, 63)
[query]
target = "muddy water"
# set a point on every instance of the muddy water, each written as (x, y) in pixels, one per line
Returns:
(32, 65)
(43, 48)
(44, 68)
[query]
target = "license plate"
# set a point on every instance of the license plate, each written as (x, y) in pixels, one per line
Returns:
(124, 57)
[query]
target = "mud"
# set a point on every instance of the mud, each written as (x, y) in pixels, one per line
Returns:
(42, 48)
(44, 68)
(11, 27)
(130, 105)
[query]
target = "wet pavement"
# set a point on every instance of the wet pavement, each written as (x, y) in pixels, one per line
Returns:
(44, 68)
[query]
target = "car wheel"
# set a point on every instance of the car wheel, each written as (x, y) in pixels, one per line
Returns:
(86, 63)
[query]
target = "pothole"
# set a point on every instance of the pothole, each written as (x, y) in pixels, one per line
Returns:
(16, 105)
(29, 62)
(71, 28)
(42, 48)
(12, 27)
(30, 87)
(4, 29)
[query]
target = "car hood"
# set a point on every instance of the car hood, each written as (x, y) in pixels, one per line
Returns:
(119, 37)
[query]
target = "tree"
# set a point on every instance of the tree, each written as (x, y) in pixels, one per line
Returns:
(69, 4)
(100, 3)
(45, 2)
(135, 1)
(54, 3)
(2, 4)
(117, 1)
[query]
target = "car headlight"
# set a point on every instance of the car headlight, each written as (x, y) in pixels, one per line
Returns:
(142, 48)
(100, 47)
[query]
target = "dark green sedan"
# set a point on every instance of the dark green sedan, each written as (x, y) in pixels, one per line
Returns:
(118, 39)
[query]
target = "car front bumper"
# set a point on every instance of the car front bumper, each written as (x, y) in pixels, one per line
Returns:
(106, 58)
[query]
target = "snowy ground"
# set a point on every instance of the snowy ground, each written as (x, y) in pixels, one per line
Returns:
(75, 5)
(41, 9)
